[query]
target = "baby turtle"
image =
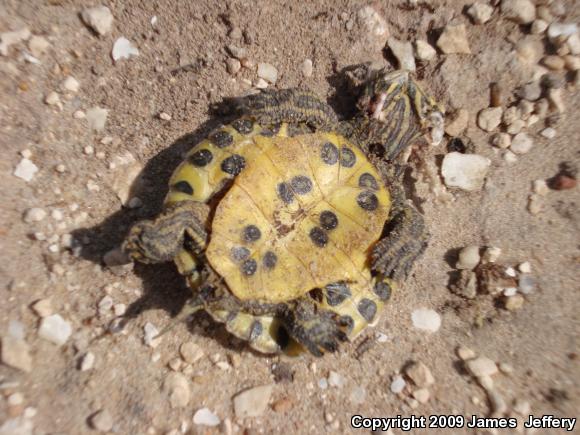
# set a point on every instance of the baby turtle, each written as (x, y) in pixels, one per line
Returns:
(286, 227)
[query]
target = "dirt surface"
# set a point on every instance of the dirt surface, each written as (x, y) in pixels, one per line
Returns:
(181, 71)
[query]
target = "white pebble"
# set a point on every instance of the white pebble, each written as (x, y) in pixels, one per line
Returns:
(480, 13)
(89, 150)
(105, 304)
(119, 309)
(25, 170)
(42, 307)
(489, 119)
(403, 51)
(398, 384)
(52, 99)
(124, 49)
(481, 366)
(520, 11)
(96, 118)
(151, 333)
(205, 417)
(424, 51)
(510, 291)
(98, 18)
(521, 143)
(335, 380)
(555, 30)
(57, 215)
(465, 171)
(79, 114)
(38, 45)
(307, 68)
(87, 362)
(34, 215)
(510, 157)
(267, 72)
(71, 84)
(540, 187)
(510, 271)
(55, 329)
(323, 383)
(525, 267)
(548, 133)
(453, 39)
(468, 257)
(426, 319)
(165, 116)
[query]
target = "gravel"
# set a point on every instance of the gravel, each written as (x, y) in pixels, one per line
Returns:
(481, 366)
(123, 49)
(268, 72)
(98, 19)
(16, 353)
(42, 308)
(55, 329)
(25, 170)
(96, 118)
(403, 51)
(38, 45)
(87, 362)
(489, 119)
(480, 13)
(336, 380)
(454, 40)
(177, 388)
(422, 395)
(307, 68)
(252, 402)
(398, 384)
(150, 338)
(424, 51)
(204, 417)
(465, 353)
(520, 11)
(35, 214)
(522, 143)
(191, 352)
(468, 257)
(501, 140)
(70, 84)
(426, 319)
(464, 171)
(420, 374)
(514, 302)
(458, 123)
(233, 66)
(102, 421)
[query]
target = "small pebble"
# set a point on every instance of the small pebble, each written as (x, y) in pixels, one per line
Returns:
(398, 384)
(420, 374)
(34, 214)
(119, 309)
(105, 305)
(403, 52)
(307, 68)
(165, 116)
(358, 395)
(422, 395)
(268, 72)
(505, 368)
(373, 22)
(98, 18)
(233, 66)
(323, 383)
(510, 291)
(52, 99)
(42, 308)
(87, 362)
(540, 187)
(556, 100)
(424, 51)
(177, 388)
(458, 124)
(89, 150)
(151, 333)
(261, 83)
(538, 26)
(490, 118)
(55, 329)
(513, 303)
(465, 171)
(123, 49)
(481, 366)
(38, 45)
(96, 118)
(465, 353)
(516, 126)
(557, 30)
(535, 204)
(70, 84)
(15, 353)
(252, 402)
(25, 170)
(480, 13)
(237, 52)
(501, 140)
(520, 11)
(510, 157)
(426, 320)
(335, 380)
(453, 39)
(282, 405)
(79, 114)
(555, 63)
(522, 143)
(468, 257)
(102, 421)
(525, 267)
(548, 133)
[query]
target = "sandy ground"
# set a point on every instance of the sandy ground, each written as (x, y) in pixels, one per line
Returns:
(181, 70)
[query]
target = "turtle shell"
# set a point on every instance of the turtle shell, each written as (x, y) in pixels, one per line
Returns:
(304, 212)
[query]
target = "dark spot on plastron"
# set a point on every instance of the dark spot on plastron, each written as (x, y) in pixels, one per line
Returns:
(249, 267)
(377, 149)
(367, 181)
(183, 187)
(347, 323)
(271, 130)
(221, 139)
(285, 192)
(329, 153)
(347, 157)
(233, 165)
(316, 294)
(383, 290)
(243, 126)
(367, 309)
(255, 330)
(270, 259)
(301, 184)
(328, 220)
(201, 158)
(367, 200)
(240, 253)
(318, 237)
(251, 233)
(336, 293)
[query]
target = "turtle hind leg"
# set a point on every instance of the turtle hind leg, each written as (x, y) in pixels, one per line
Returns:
(293, 106)
(180, 225)
(316, 329)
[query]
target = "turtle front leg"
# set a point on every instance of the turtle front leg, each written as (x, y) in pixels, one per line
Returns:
(404, 239)
(316, 329)
(181, 226)
(293, 106)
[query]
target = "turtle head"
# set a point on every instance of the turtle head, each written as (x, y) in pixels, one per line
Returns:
(399, 111)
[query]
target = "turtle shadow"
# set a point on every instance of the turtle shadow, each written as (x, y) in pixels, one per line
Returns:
(162, 286)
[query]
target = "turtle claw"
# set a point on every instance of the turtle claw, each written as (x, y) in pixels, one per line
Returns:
(316, 329)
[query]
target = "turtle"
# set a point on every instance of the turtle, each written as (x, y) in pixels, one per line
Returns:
(287, 226)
